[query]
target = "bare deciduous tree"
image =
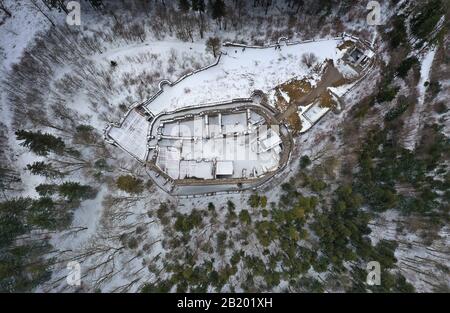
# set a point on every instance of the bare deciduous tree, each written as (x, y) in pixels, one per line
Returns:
(309, 59)
(213, 45)
(39, 9)
(5, 9)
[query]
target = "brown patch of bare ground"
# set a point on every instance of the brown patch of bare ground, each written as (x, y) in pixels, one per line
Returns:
(281, 103)
(301, 93)
(346, 44)
(295, 122)
(296, 89)
(327, 100)
(342, 81)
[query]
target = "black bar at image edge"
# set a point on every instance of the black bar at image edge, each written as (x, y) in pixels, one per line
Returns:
(267, 302)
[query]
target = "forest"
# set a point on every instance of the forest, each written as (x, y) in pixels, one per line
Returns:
(370, 184)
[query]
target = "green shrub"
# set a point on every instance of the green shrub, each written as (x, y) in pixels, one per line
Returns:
(398, 36)
(405, 66)
(434, 87)
(130, 184)
(425, 18)
(253, 201)
(397, 110)
(244, 217)
(305, 161)
(387, 93)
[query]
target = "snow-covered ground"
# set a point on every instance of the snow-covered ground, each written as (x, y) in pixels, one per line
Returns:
(239, 72)
(15, 39)
(97, 235)
(417, 261)
(414, 123)
(132, 134)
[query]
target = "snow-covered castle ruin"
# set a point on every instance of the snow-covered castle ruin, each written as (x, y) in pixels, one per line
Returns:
(229, 126)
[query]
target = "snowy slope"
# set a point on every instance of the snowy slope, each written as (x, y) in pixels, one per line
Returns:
(241, 71)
